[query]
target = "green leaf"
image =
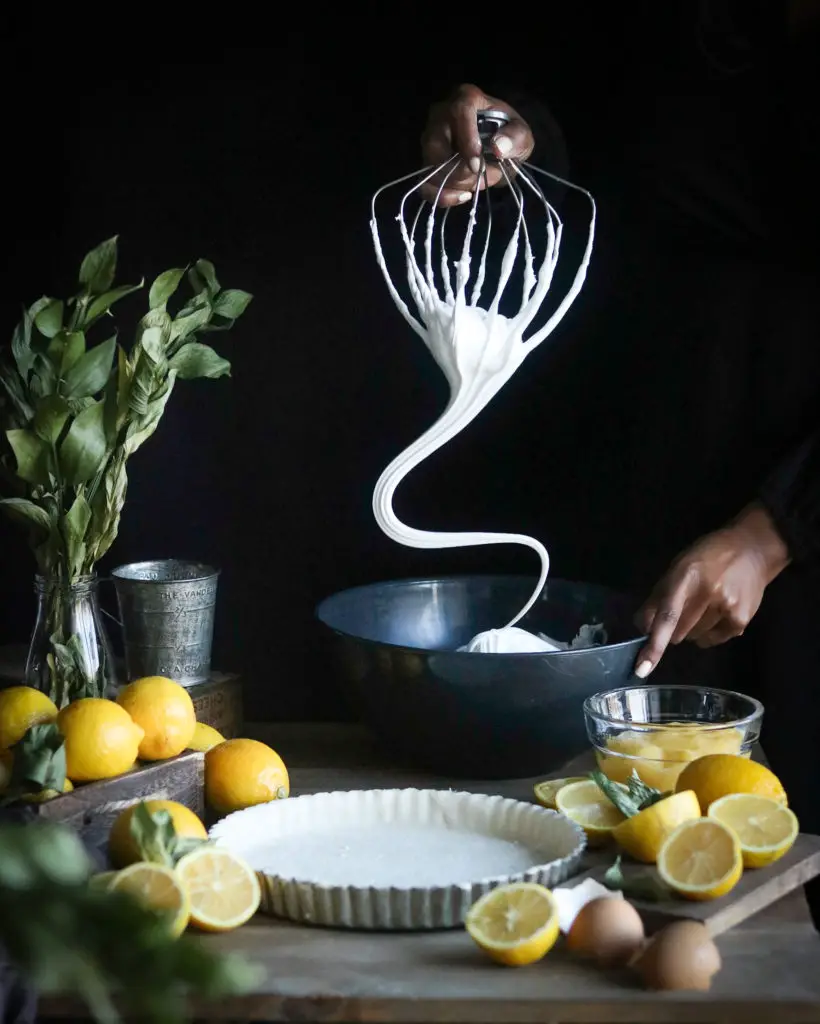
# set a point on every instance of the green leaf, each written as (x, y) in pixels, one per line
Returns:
(105, 301)
(197, 360)
(74, 349)
(232, 303)
(84, 447)
(39, 760)
(617, 794)
(203, 277)
(75, 526)
(99, 267)
(44, 377)
(157, 839)
(50, 417)
(21, 346)
(644, 795)
(646, 885)
(31, 455)
(49, 318)
(164, 287)
(26, 510)
(192, 317)
(91, 372)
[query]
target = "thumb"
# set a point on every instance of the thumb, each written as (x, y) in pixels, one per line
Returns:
(514, 141)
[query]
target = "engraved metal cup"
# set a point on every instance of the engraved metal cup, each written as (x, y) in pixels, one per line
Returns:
(167, 613)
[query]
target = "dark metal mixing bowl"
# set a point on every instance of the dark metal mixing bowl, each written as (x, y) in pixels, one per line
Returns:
(476, 716)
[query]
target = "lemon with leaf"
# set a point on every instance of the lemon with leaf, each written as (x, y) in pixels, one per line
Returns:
(152, 834)
(21, 707)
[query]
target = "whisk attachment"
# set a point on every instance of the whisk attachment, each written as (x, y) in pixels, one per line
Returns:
(476, 345)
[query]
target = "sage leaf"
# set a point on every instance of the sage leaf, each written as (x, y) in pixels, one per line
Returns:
(617, 794)
(232, 303)
(104, 302)
(50, 417)
(27, 510)
(31, 455)
(646, 885)
(16, 394)
(164, 287)
(91, 372)
(49, 319)
(196, 360)
(203, 277)
(156, 837)
(74, 349)
(84, 447)
(190, 319)
(99, 266)
(39, 760)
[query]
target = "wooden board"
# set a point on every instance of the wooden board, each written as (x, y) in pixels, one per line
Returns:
(755, 891)
(771, 964)
(92, 808)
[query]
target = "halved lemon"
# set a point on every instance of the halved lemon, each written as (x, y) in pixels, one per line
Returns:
(701, 860)
(643, 835)
(590, 808)
(515, 924)
(223, 890)
(546, 791)
(766, 829)
(158, 888)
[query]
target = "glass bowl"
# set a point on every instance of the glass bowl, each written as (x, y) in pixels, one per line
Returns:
(658, 730)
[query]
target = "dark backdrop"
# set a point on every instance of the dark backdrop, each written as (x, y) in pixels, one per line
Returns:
(263, 159)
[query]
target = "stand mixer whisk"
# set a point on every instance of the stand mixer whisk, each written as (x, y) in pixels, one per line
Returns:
(477, 347)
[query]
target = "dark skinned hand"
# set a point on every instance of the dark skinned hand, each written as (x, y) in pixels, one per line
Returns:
(712, 591)
(452, 129)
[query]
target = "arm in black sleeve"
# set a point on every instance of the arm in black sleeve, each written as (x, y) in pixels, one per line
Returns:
(791, 494)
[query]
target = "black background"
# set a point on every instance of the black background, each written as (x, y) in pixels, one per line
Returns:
(263, 159)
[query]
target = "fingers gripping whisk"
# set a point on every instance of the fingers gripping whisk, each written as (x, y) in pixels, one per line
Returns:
(478, 338)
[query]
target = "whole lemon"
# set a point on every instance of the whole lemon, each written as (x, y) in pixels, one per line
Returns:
(716, 775)
(21, 707)
(241, 773)
(101, 739)
(122, 848)
(165, 712)
(205, 737)
(47, 794)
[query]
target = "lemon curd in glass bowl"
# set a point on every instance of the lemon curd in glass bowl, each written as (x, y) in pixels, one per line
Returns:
(658, 730)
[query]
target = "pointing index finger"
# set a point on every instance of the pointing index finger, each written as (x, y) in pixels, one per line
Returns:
(664, 623)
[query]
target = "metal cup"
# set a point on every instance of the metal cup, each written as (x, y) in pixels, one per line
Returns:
(167, 615)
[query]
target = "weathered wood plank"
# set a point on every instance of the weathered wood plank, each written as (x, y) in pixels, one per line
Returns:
(771, 963)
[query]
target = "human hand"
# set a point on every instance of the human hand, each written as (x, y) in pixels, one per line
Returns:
(712, 591)
(452, 129)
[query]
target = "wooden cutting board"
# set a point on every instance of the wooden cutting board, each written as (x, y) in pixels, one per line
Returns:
(756, 890)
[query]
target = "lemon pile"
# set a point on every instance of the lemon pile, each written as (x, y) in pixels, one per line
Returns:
(208, 888)
(727, 814)
(152, 719)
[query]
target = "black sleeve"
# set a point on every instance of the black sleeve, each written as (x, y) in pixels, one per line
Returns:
(791, 494)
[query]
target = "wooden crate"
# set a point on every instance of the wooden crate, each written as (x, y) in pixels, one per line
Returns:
(92, 808)
(218, 703)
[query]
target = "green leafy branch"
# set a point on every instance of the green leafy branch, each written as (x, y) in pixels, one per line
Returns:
(72, 413)
(67, 937)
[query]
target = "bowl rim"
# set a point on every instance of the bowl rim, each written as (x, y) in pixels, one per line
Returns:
(454, 577)
(755, 715)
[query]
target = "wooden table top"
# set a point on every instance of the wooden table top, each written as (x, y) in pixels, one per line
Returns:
(771, 969)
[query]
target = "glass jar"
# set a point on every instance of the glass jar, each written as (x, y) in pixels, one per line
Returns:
(69, 655)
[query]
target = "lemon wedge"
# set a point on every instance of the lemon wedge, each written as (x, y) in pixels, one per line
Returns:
(546, 791)
(701, 860)
(223, 890)
(157, 888)
(515, 924)
(591, 808)
(643, 835)
(765, 828)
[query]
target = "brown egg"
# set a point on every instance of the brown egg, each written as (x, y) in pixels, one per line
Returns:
(608, 929)
(680, 956)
